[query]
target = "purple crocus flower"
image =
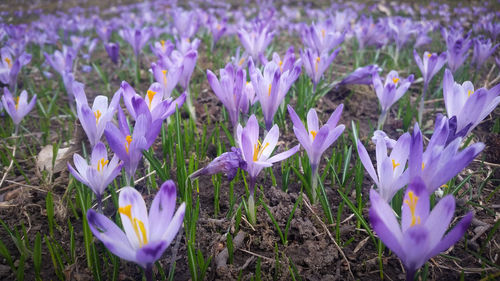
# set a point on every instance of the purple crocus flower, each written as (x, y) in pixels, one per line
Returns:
(401, 29)
(314, 139)
(391, 175)
(136, 37)
(100, 173)
(272, 87)
(255, 40)
(390, 92)
(368, 33)
(316, 64)
(482, 50)
(321, 37)
(94, 119)
(288, 60)
(421, 233)
(113, 50)
(458, 47)
(468, 105)
(441, 161)
(429, 66)
(361, 75)
(218, 29)
(127, 146)
(10, 67)
(62, 62)
(168, 78)
(144, 239)
(153, 104)
(227, 163)
(229, 89)
(256, 154)
(17, 107)
(162, 48)
(188, 63)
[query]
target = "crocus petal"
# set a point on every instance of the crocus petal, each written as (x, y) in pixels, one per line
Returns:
(110, 235)
(284, 155)
(162, 209)
(367, 162)
(439, 219)
(131, 198)
(385, 224)
(452, 237)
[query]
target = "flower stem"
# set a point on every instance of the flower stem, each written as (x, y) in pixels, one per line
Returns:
(381, 120)
(421, 105)
(148, 271)
(189, 102)
(99, 203)
(137, 71)
(314, 182)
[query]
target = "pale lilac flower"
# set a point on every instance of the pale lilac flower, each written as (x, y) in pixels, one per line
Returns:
(255, 40)
(10, 67)
(167, 77)
(136, 37)
(361, 75)
(482, 50)
(100, 173)
(468, 105)
(145, 236)
(321, 37)
(229, 89)
(391, 175)
(429, 65)
(317, 63)
(17, 107)
(421, 233)
(256, 154)
(442, 159)
(314, 139)
(271, 87)
(94, 119)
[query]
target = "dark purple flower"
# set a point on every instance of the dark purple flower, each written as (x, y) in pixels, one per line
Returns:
(227, 163)
(482, 50)
(362, 75)
(113, 50)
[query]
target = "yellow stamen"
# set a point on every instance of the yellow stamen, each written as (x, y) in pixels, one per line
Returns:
(412, 204)
(323, 33)
(97, 115)
(17, 103)
(242, 60)
(469, 92)
(101, 163)
(429, 55)
(269, 92)
(394, 165)
(218, 26)
(423, 166)
(258, 149)
(164, 77)
(151, 95)
(188, 40)
(444, 186)
(314, 133)
(162, 44)
(281, 66)
(137, 225)
(395, 80)
(248, 83)
(129, 140)
(316, 64)
(9, 62)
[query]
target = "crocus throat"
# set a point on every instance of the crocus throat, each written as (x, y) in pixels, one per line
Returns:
(412, 204)
(316, 64)
(314, 133)
(258, 149)
(138, 225)
(164, 77)
(323, 33)
(129, 140)
(101, 163)
(9, 62)
(151, 95)
(395, 80)
(469, 92)
(97, 115)
(269, 92)
(423, 166)
(17, 103)
(394, 165)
